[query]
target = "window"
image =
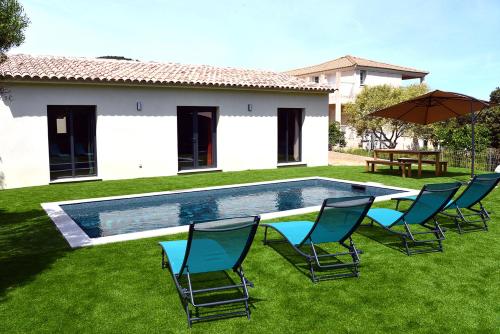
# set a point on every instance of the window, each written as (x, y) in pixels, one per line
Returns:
(316, 79)
(362, 77)
(289, 135)
(196, 137)
(72, 149)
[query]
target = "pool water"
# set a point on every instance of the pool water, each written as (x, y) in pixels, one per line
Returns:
(118, 216)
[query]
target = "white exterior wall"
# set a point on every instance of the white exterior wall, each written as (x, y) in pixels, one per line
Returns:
(127, 138)
(374, 78)
(350, 85)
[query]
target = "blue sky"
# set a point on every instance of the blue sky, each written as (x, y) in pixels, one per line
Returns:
(457, 41)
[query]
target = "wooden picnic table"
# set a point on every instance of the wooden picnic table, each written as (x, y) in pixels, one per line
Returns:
(418, 153)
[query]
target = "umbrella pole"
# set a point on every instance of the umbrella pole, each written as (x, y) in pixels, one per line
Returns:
(473, 135)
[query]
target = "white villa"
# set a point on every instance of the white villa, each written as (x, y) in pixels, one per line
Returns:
(65, 119)
(349, 75)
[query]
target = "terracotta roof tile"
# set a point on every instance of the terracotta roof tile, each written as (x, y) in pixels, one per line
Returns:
(351, 61)
(53, 68)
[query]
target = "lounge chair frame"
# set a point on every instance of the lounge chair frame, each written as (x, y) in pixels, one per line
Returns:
(187, 293)
(461, 217)
(313, 258)
(410, 238)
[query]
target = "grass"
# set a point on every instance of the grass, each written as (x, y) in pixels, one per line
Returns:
(47, 287)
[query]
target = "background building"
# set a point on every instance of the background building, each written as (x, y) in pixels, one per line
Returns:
(350, 74)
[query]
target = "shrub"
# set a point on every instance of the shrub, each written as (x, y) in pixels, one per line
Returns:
(336, 137)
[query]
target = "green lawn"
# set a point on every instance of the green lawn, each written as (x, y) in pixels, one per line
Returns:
(47, 287)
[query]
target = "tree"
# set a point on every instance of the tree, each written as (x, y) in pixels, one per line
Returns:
(491, 118)
(13, 22)
(336, 136)
(495, 96)
(373, 98)
(425, 132)
(455, 134)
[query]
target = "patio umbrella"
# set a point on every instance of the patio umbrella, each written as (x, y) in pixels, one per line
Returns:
(434, 107)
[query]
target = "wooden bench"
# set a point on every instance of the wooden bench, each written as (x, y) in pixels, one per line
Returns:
(405, 167)
(443, 165)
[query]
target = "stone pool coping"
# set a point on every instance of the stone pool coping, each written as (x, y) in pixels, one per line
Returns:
(77, 238)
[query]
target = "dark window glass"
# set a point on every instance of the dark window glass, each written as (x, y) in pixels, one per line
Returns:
(289, 134)
(362, 77)
(205, 144)
(185, 139)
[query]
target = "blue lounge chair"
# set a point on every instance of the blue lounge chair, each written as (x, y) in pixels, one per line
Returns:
(212, 246)
(477, 189)
(428, 203)
(336, 221)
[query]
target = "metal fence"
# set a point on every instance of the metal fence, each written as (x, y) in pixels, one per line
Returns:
(486, 160)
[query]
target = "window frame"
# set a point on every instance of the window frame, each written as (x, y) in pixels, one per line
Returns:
(70, 111)
(195, 143)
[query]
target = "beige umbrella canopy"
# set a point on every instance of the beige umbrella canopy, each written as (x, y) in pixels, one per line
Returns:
(434, 107)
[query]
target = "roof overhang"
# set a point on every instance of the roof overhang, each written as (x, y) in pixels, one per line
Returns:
(100, 83)
(404, 74)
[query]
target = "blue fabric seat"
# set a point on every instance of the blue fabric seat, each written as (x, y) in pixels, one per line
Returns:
(175, 251)
(294, 231)
(336, 221)
(212, 246)
(384, 217)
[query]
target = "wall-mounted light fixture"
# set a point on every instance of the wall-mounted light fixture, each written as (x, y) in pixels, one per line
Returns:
(139, 106)
(5, 95)
(250, 107)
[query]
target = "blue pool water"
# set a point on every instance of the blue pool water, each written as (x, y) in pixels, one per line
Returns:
(111, 217)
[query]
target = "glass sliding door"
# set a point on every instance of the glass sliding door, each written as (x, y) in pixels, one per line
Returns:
(196, 137)
(60, 151)
(72, 151)
(84, 142)
(205, 122)
(289, 135)
(185, 139)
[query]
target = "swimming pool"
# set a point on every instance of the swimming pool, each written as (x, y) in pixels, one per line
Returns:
(126, 217)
